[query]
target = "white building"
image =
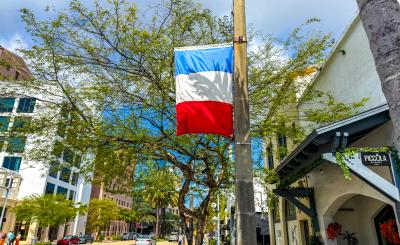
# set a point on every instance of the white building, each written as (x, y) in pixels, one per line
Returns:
(315, 193)
(19, 106)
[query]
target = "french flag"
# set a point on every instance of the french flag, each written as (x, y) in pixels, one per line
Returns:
(204, 100)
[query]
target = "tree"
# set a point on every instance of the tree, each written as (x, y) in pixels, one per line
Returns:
(381, 21)
(111, 56)
(101, 213)
(139, 213)
(125, 68)
(159, 187)
(47, 210)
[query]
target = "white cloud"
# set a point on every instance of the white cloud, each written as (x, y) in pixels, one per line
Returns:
(14, 43)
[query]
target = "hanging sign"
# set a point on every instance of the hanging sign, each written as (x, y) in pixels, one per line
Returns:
(375, 158)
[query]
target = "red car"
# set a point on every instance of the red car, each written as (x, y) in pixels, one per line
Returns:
(68, 240)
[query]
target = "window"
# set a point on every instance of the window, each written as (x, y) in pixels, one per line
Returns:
(21, 123)
(12, 163)
(50, 188)
(68, 155)
(65, 174)
(6, 104)
(26, 105)
(62, 191)
(74, 179)
(71, 195)
(16, 144)
(282, 142)
(4, 121)
(270, 157)
(53, 171)
(290, 211)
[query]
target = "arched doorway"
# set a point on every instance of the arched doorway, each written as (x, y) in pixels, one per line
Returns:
(356, 214)
(384, 218)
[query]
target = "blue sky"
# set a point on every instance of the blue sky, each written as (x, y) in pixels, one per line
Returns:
(277, 17)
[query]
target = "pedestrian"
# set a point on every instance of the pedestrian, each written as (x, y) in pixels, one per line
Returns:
(2, 238)
(180, 239)
(10, 238)
(18, 239)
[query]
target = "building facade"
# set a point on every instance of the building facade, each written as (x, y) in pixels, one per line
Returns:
(19, 107)
(314, 195)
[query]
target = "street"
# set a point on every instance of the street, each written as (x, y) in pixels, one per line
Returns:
(130, 243)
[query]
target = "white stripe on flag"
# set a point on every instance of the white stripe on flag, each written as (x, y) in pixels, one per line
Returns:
(204, 86)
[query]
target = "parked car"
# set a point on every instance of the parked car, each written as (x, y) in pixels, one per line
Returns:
(152, 235)
(68, 240)
(128, 236)
(145, 240)
(85, 239)
(173, 237)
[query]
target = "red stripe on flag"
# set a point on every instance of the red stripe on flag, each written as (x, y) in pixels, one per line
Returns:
(204, 117)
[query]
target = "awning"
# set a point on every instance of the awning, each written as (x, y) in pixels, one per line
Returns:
(329, 139)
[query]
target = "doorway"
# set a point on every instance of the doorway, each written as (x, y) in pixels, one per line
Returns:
(385, 216)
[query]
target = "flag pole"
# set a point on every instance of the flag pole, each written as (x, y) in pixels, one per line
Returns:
(245, 213)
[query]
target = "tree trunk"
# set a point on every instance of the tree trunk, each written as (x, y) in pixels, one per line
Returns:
(200, 230)
(381, 21)
(163, 223)
(158, 220)
(187, 229)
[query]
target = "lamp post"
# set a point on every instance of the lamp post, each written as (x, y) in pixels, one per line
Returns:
(219, 222)
(217, 219)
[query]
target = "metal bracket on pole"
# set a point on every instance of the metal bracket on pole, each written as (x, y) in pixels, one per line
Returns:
(239, 39)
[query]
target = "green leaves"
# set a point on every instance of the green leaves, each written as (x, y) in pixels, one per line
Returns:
(101, 212)
(48, 210)
(137, 214)
(158, 187)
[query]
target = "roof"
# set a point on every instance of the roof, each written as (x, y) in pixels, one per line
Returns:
(309, 152)
(13, 67)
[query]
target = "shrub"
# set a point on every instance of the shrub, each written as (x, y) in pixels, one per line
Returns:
(116, 237)
(43, 243)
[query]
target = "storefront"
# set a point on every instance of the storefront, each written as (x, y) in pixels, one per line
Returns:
(360, 208)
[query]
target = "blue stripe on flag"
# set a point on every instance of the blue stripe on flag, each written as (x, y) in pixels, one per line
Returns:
(189, 61)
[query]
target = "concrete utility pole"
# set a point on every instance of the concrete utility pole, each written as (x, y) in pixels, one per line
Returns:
(246, 225)
(218, 222)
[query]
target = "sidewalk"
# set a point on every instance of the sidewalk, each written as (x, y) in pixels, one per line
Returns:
(109, 242)
(130, 243)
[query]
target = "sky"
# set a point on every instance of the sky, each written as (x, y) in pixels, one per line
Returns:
(276, 17)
